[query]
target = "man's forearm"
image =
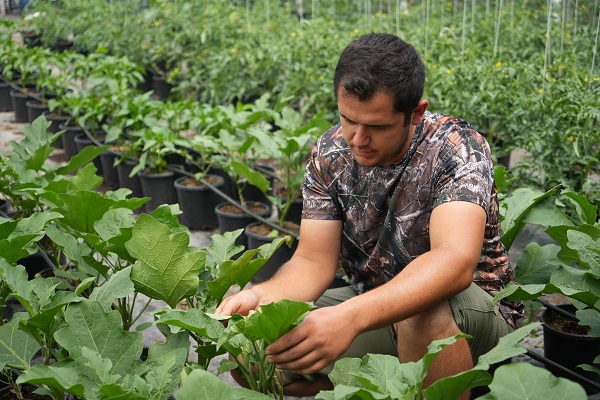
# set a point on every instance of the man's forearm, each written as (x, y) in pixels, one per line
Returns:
(299, 279)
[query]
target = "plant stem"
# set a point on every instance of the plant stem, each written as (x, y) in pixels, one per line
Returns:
(594, 54)
(547, 51)
(464, 32)
(497, 33)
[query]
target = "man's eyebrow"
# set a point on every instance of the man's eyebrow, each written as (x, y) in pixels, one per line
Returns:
(354, 122)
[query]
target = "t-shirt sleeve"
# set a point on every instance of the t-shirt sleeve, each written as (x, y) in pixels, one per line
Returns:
(464, 171)
(318, 201)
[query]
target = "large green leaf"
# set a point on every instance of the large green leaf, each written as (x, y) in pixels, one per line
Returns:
(36, 134)
(113, 221)
(85, 179)
(241, 270)
(193, 320)
(48, 306)
(85, 156)
(12, 250)
(590, 318)
(223, 248)
(560, 234)
(525, 381)
(167, 269)
(16, 348)
(202, 385)
(64, 376)
(254, 178)
(534, 265)
(587, 250)
(119, 285)
(514, 209)
(273, 320)
(82, 209)
(91, 374)
(88, 325)
(165, 363)
(79, 253)
(35, 223)
(18, 281)
(585, 211)
(381, 376)
(453, 386)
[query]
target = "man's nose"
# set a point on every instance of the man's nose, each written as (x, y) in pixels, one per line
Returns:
(361, 137)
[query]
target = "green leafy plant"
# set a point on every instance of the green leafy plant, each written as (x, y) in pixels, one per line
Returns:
(103, 360)
(290, 146)
(570, 267)
(384, 377)
(170, 270)
(233, 127)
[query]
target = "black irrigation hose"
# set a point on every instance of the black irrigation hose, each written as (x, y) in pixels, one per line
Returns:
(20, 89)
(223, 195)
(558, 310)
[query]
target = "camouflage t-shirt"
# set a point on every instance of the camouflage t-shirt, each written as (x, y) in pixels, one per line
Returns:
(386, 209)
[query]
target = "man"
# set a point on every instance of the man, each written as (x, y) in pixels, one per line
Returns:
(405, 199)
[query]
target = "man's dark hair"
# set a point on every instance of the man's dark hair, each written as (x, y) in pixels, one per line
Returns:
(381, 62)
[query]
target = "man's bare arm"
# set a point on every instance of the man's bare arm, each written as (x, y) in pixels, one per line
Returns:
(303, 278)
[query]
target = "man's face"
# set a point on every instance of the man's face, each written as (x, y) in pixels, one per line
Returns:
(375, 132)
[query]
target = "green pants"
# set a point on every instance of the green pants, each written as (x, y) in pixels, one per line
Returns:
(473, 310)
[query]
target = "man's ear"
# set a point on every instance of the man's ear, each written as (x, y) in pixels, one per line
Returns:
(418, 112)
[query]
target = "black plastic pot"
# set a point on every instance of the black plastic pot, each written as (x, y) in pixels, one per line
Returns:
(159, 187)
(35, 263)
(130, 182)
(161, 87)
(5, 99)
(146, 84)
(19, 102)
(35, 108)
(109, 170)
(68, 139)
(233, 221)
(197, 202)
(62, 45)
(570, 350)
(81, 141)
(31, 39)
(280, 257)
(55, 121)
(228, 186)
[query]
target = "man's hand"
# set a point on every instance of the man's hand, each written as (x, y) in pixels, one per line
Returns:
(319, 340)
(241, 303)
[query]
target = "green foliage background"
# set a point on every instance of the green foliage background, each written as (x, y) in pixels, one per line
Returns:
(523, 72)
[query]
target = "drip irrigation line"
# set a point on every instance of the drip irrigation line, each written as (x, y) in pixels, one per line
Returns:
(232, 201)
(223, 195)
(20, 89)
(558, 310)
